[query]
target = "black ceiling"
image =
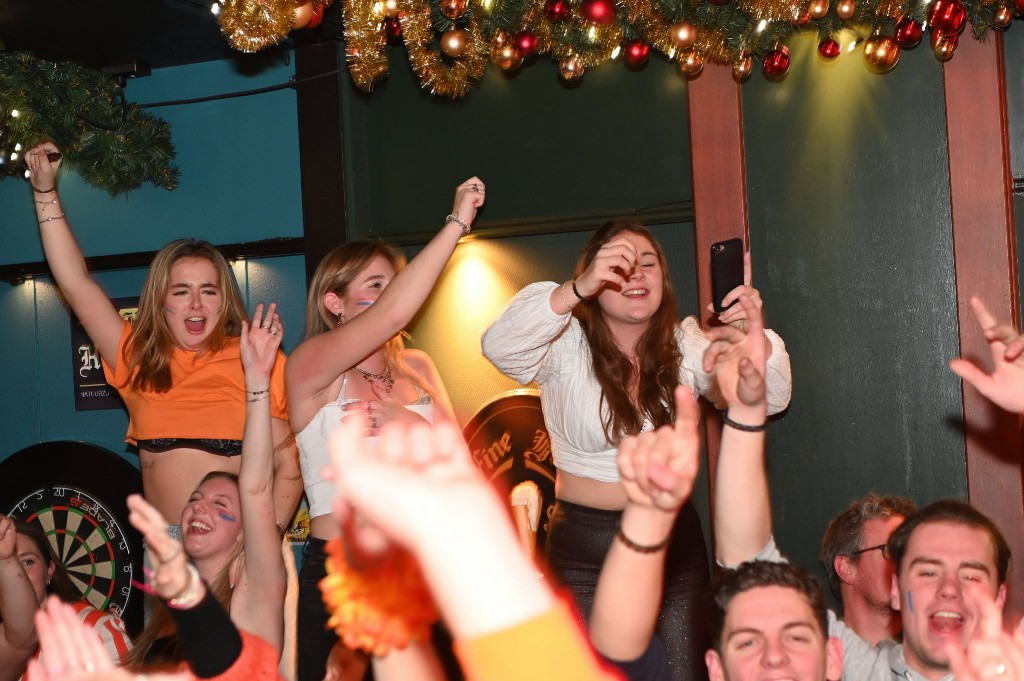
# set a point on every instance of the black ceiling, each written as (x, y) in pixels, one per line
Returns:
(112, 33)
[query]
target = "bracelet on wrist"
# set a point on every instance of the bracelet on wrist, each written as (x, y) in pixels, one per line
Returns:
(191, 595)
(577, 291)
(642, 548)
(455, 218)
(565, 301)
(743, 426)
(259, 397)
(52, 218)
(48, 203)
(259, 392)
(44, 191)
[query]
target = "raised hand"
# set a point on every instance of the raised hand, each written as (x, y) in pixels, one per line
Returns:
(738, 358)
(170, 564)
(42, 171)
(469, 196)
(259, 343)
(71, 650)
(991, 653)
(1005, 384)
(612, 267)
(8, 538)
(658, 468)
(737, 315)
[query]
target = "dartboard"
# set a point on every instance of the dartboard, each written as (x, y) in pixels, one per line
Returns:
(76, 493)
(88, 539)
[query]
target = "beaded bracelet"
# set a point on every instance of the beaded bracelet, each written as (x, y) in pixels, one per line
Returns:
(259, 397)
(259, 392)
(44, 191)
(190, 596)
(743, 426)
(561, 290)
(641, 548)
(456, 218)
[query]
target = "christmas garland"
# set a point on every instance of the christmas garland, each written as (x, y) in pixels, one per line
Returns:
(580, 34)
(111, 144)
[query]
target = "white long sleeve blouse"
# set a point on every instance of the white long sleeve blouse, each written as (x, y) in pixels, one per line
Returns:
(530, 342)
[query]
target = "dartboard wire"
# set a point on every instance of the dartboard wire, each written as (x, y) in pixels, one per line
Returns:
(90, 590)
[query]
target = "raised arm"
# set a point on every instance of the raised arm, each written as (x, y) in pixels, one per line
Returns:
(18, 606)
(742, 507)
(658, 470)
(319, 360)
(258, 600)
(88, 301)
(1004, 385)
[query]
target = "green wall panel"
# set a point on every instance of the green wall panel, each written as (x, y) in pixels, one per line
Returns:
(850, 228)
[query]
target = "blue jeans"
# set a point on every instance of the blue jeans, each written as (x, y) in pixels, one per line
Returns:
(314, 639)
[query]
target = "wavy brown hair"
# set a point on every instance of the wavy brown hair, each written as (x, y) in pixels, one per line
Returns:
(658, 358)
(148, 349)
(162, 626)
(335, 274)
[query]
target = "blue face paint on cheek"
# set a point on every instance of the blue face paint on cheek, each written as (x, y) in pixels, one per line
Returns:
(910, 601)
(364, 303)
(224, 515)
(168, 310)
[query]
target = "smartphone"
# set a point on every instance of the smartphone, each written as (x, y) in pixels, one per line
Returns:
(726, 270)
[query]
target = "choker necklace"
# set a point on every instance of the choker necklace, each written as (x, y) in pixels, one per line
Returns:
(385, 378)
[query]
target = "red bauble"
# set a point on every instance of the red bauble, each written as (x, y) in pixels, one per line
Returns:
(1019, 6)
(829, 49)
(635, 53)
(948, 16)
(908, 33)
(556, 10)
(392, 28)
(526, 43)
(776, 63)
(600, 12)
(318, 16)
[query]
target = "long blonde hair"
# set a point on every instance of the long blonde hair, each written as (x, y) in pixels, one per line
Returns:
(335, 274)
(148, 349)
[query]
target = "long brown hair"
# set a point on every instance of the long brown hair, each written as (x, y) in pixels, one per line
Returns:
(148, 349)
(657, 352)
(162, 625)
(335, 274)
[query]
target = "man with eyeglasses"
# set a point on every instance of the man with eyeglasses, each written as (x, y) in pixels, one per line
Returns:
(855, 557)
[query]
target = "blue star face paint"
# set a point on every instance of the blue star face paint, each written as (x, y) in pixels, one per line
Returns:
(910, 601)
(224, 515)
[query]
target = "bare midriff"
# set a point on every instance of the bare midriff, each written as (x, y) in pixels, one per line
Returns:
(607, 496)
(170, 477)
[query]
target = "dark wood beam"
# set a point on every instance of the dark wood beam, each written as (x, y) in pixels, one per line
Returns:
(985, 252)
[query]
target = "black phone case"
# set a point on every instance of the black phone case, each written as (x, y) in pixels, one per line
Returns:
(726, 270)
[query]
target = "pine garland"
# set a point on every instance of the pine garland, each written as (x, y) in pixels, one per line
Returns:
(111, 144)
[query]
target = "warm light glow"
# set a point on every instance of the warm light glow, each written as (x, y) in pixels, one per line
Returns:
(14, 156)
(17, 146)
(672, 53)
(378, 8)
(592, 33)
(487, 4)
(617, 51)
(853, 46)
(215, 8)
(15, 113)
(761, 25)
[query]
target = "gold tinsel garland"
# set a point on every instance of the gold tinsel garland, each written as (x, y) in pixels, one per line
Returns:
(442, 76)
(365, 43)
(251, 25)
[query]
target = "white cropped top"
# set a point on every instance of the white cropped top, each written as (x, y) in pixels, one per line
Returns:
(529, 342)
(312, 443)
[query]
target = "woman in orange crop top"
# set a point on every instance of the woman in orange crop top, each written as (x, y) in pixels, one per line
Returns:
(177, 367)
(353, 360)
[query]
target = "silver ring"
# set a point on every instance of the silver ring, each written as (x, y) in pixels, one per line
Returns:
(273, 333)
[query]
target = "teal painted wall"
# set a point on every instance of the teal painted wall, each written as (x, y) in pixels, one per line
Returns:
(848, 191)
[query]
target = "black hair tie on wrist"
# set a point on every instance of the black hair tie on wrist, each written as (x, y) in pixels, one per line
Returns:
(742, 426)
(576, 290)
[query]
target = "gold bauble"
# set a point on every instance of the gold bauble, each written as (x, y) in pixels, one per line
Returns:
(453, 9)
(944, 46)
(507, 57)
(683, 34)
(1002, 17)
(455, 42)
(881, 52)
(742, 67)
(570, 68)
(499, 39)
(818, 9)
(691, 63)
(303, 13)
(845, 9)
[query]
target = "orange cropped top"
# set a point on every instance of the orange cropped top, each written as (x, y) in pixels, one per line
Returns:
(206, 399)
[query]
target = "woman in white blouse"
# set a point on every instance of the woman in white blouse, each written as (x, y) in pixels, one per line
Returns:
(607, 349)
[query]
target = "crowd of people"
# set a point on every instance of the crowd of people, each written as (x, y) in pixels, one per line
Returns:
(406, 531)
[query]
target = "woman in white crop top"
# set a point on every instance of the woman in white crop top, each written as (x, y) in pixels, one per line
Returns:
(353, 361)
(607, 349)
